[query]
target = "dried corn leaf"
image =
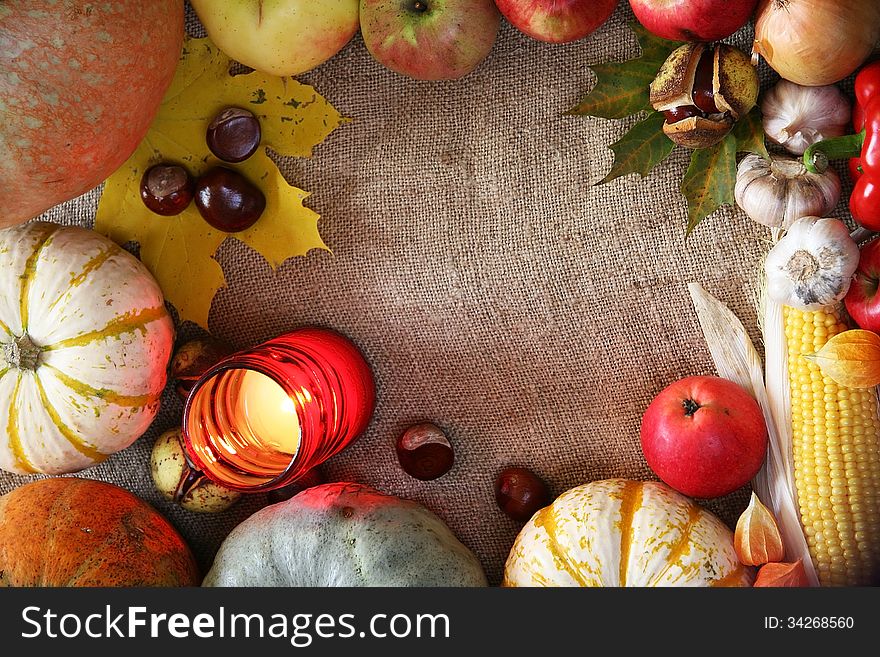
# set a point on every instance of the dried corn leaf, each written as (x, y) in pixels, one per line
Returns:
(737, 359)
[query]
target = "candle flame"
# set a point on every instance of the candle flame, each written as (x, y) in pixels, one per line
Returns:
(269, 412)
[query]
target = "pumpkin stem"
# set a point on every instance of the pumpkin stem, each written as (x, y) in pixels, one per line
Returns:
(22, 353)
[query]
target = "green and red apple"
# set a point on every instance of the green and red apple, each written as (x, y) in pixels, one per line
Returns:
(279, 37)
(557, 21)
(430, 39)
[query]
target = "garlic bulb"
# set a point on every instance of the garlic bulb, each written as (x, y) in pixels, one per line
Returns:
(779, 191)
(811, 267)
(797, 117)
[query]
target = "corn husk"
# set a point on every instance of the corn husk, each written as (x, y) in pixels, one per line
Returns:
(736, 359)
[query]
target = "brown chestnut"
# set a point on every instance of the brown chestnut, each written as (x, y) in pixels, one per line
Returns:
(234, 135)
(704, 84)
(229, 201)
(677, 114)
(424, 452)
(167, 189)
(194, 358)
(520, 492)
(703, 94)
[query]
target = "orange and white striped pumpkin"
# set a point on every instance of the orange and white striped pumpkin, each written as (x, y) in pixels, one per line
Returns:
(85, 339)
(624, 533)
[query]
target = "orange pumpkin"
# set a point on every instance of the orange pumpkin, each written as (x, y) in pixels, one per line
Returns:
(80, 82)
(79, 532)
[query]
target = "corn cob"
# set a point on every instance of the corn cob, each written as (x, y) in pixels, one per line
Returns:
(836, 450)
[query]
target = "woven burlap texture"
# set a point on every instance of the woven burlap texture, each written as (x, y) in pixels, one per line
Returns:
(494, 289)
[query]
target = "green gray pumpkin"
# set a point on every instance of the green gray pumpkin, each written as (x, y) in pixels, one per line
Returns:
(344, 534)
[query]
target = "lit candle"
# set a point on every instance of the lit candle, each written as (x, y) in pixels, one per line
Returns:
(262, 418)
(269, 412)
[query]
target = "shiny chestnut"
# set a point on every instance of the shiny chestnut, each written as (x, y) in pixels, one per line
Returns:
(229, 201)
(704, 84)
(234, 135)
(519, 492)
(167, 189)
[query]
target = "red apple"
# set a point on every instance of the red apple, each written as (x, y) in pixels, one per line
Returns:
(704, 436)
(557, 21)
(863, 301)
(693, 20)
(430, 39)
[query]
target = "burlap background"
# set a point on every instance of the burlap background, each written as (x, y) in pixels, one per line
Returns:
(493, 288)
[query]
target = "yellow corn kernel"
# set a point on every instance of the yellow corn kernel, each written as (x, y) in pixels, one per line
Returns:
(836, 449)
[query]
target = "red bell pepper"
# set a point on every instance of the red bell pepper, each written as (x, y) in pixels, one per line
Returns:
(863, 147)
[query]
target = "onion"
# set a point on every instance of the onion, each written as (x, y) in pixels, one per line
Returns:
(816, 42)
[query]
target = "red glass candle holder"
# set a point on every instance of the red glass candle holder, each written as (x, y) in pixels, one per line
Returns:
(262, 418)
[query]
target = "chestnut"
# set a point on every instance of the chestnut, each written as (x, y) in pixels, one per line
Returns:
(234, 135)
(677, 114)
(167, 189)
(704, 84)
(703, 90)
(703, 94)
(424, 452)
(520, 492)
(194, 358)
(229, 201)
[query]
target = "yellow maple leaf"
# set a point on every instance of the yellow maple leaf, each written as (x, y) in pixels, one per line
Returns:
(179, 250)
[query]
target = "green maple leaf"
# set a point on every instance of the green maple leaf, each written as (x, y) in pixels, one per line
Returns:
(749, 133)
(642, 148)
(710, 179)
(621, 88)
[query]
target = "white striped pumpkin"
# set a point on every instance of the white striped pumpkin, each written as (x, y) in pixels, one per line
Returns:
(624, 533)
(84, 343)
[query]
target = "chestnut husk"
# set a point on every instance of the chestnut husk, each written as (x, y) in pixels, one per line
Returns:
(179, 482)
(735, 87)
